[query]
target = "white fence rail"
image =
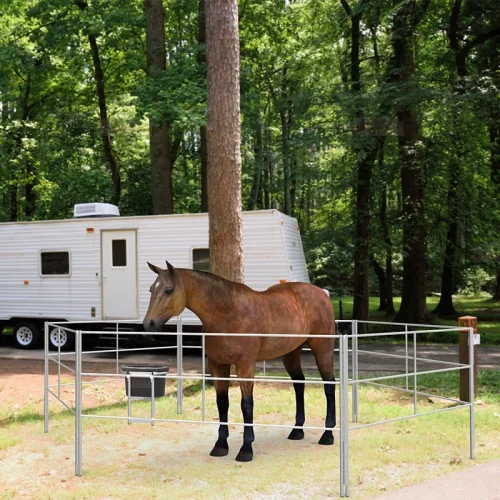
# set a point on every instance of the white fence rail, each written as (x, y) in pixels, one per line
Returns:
(348, 353)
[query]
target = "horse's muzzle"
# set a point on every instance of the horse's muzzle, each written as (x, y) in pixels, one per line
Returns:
(152, 325)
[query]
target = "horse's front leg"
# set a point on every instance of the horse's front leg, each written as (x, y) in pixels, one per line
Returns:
(246, 451)
(221, 447)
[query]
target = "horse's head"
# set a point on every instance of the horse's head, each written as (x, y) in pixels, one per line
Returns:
(167, 298)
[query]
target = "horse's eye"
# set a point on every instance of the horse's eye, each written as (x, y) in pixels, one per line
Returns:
(168, 291)
(150, 289)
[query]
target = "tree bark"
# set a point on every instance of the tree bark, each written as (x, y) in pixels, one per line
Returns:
(285, 113)
(494, 132)
(382, 284)
(496, 294)
(159, 132)
(224, 140)
(202, 61)
(389, 297)
(366, 151)
(413, 302)
(109, 154)
(445, 306)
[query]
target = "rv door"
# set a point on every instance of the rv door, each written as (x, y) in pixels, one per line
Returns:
(119, 274)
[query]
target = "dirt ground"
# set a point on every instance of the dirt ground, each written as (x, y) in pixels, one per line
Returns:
(168, 461)
(21, 382)
(154, 458)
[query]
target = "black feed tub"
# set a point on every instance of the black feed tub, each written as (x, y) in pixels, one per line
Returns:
(140, 387)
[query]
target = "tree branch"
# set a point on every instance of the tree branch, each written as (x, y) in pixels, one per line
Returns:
(453, 28)
(484, 37)
(419, 12)
(347, 7)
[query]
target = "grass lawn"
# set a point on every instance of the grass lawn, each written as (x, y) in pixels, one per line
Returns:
(486, 310)
(171, 460)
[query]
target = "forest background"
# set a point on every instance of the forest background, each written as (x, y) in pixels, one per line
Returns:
(375, 123)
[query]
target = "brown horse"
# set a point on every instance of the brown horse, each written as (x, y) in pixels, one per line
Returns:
(227, 307)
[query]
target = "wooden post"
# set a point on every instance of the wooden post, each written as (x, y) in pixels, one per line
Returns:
(463, 354)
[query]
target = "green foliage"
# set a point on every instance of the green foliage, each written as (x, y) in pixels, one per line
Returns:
(298, 108)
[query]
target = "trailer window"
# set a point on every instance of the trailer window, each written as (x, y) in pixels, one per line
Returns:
(54, 263)
(119, 250)
(201, 259)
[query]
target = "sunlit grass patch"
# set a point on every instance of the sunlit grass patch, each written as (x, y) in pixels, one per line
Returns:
(7, 440)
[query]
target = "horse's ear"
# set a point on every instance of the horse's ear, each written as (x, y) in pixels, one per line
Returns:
(170, 267)
(154, 268)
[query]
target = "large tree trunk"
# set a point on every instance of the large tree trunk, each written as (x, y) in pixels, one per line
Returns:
(382, 284)
(494, 132)
(224, 139)
(202, 60)
(445, 306)
(109, 154)
(13, 201)
(365, 150)
(159, 133)
(413, 303)
(496, 294)
(389, 297)
(285, 113)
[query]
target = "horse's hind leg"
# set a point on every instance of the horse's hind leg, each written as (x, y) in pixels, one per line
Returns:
(221, 447)
(323, 353)
(292, 365)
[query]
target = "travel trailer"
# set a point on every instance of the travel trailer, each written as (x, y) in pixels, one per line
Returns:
(94, 266)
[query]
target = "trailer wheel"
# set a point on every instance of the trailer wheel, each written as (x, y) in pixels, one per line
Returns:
(58, 337)
(27, 335)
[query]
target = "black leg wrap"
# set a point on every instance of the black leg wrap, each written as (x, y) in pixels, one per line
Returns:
(245, 454)
(326, 438)
(296, 435)
(246, 451)
(330, 421)
(220, 449)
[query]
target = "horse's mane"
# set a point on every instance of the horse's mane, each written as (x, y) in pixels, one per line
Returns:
(222, 286)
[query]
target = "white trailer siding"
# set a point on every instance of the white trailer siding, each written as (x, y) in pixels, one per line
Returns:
(24, 293)
(293, 247)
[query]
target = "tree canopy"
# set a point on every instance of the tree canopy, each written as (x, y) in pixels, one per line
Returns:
(376, 123)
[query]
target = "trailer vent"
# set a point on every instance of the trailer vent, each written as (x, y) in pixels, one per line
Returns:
(87, 210)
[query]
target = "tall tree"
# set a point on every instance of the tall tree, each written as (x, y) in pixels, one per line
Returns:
(109, 153)
(413, 307)
(224, 139)
(159, 128)
(365, 147)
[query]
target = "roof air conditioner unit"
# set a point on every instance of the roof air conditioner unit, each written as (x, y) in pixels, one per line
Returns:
(87, 210)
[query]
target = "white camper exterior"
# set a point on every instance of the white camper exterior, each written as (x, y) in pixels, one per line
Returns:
(95, 268)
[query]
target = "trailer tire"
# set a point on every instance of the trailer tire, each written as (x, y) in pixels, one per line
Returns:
(27, 335)
(65, 339)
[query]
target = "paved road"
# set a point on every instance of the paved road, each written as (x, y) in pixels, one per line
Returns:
(370, 357)
(481, 482)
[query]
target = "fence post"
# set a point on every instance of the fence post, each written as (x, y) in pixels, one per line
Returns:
(46, 380)
(179, 365)
(463, 354)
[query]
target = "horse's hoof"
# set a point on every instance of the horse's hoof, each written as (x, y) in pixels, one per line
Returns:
(296, 434)
(326, 439)
(244, 456)
(219, 452)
